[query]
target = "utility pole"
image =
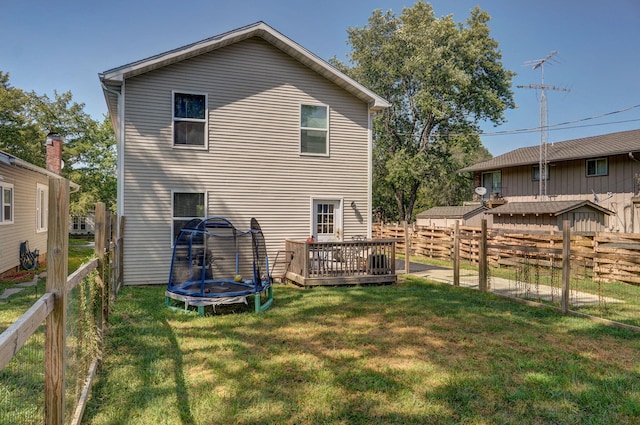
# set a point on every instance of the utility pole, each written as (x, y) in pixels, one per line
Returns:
(544, 126)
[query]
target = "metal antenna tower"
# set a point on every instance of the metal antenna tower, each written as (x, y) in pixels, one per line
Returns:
(544, 126)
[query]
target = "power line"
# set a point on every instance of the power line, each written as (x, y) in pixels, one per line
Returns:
(552, 126)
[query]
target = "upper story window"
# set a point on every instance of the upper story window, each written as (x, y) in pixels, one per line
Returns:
(314, 130)
(42, 207)
(186, 206)
(6, 203)
(597, 167)
(189, 120)
(492, 181)
(535, 173)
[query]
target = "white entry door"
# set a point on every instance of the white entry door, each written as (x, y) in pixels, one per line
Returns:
(327, 220)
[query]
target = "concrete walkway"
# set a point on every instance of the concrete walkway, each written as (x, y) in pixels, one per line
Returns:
(20, 287)
(502, 286)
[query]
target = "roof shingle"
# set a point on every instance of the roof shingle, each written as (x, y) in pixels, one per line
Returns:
(587, 147)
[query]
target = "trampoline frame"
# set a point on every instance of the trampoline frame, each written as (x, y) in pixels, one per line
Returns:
(260, 284)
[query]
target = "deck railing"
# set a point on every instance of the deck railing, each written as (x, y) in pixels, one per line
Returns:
(347, 262)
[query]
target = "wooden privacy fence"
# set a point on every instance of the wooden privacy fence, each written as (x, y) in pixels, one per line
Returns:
(75, 310)
(611, 257)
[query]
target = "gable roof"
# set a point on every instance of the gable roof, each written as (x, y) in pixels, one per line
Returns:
(452, 212)
(112, 79)
(587, 147)
(554, 208)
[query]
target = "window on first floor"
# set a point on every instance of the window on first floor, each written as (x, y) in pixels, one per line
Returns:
(185, 207)
(314, 130)
(6, 203)
(597, 167)
(189, 119)
(79, 222)
(42, 208)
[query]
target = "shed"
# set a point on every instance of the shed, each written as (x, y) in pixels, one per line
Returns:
(467, 215)
(584, 216)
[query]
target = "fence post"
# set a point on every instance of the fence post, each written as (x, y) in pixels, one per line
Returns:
(407, 248)
(566, 264)
(57, 271)
(482, 257)
(99, 249)
(456, 254)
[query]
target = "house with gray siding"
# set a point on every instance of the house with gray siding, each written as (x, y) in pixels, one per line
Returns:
(604, 170)
(244, 124)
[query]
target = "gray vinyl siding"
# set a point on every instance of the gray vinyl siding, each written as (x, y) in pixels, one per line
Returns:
(24, 213)
(568, 181)
(253, 166)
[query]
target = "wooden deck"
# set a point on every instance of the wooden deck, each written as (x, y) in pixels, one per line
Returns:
(342, 263)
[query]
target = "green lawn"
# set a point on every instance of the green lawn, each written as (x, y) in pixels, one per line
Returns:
(411, 353)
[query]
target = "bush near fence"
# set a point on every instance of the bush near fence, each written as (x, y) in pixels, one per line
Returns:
(610, 257)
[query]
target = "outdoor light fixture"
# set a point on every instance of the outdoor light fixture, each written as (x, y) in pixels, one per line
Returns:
(353, 205)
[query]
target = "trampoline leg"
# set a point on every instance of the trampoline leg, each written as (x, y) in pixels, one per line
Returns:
(259, 307)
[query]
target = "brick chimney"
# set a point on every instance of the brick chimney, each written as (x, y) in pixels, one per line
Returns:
(54, 152)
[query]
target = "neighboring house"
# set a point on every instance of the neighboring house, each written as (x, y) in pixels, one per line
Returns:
(82, 224)
(244, 124)
(24, 202)
(466, 215)
(602, 169)
(548, 216)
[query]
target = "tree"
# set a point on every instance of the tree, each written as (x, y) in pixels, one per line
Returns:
(89, 149)
(442, 79)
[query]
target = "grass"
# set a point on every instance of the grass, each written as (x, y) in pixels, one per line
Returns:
(411, 353)
(13, 307)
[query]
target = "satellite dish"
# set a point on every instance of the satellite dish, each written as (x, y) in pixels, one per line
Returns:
(480, 190)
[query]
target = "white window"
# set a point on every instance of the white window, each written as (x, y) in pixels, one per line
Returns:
(314, 130)
(6, 203)
(42, 208)
(79, 222)
(185, 207)
(597, 167)
(190, 120)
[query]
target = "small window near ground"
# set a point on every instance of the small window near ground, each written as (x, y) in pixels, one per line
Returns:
(314, 130)
(42, 208)
(6, 203)
(189, 120)
(597, 167)
(186, 207)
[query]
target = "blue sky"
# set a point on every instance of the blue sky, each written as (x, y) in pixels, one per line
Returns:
(62, 45)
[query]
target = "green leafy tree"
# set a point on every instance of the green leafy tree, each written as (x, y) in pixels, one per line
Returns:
(18, 131)
(442, 79)
(89, 149)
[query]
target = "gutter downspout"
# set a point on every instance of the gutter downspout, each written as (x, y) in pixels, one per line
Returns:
(120, 149)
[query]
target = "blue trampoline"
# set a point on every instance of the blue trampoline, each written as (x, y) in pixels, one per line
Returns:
(214, 263)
